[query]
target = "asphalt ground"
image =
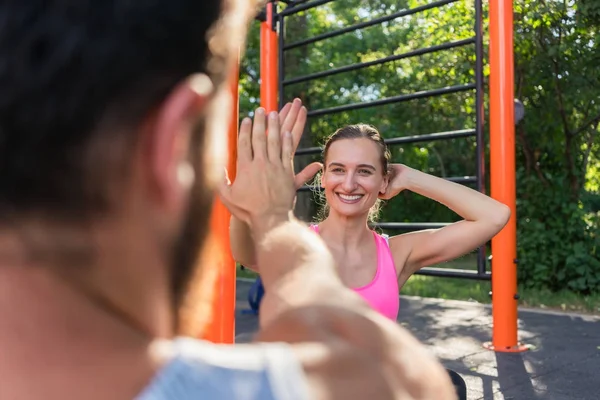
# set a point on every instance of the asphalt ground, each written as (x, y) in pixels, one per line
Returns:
(563, 361)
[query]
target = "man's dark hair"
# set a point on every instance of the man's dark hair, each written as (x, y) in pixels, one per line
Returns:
(74, 76)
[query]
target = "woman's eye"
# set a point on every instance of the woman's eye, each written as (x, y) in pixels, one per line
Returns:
(364, 171)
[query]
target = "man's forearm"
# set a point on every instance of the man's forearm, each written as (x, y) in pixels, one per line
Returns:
(285, 247)
(243, 246)
(242, 243)
(297, 269)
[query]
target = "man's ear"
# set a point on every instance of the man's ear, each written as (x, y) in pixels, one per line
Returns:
(168, 140)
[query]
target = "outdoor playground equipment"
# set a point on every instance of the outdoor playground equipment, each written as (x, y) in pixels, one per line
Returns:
(502, 148)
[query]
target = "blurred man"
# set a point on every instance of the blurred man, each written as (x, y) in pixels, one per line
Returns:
(111, 114)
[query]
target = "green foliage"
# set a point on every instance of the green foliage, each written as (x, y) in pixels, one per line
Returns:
(559, 248)
(556, 55)
(557, 78)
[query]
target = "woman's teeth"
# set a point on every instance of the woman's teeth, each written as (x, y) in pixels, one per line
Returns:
(349, 198)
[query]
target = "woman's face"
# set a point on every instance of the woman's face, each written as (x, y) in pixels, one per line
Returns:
(353, 177)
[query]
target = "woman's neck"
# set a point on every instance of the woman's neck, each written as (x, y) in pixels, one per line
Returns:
(346, 232)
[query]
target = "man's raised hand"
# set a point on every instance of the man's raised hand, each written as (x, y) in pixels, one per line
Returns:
(293, 118)
(264, 183)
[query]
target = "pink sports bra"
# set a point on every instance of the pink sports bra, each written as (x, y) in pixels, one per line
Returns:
(382, 292)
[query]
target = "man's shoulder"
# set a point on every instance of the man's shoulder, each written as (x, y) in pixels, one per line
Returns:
(246, 372)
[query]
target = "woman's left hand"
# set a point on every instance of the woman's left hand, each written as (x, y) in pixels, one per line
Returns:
(397, 181)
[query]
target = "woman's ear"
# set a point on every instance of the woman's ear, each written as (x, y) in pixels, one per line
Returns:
(387, 179)
(384, 184)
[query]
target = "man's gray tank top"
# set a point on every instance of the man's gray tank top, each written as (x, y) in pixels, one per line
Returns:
(198, 370)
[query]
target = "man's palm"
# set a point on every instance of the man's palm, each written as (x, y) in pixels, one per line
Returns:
(292, 118)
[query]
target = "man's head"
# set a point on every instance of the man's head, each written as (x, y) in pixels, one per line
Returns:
(109, 111)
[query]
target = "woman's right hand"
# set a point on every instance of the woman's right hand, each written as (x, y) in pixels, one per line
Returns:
(264, 184)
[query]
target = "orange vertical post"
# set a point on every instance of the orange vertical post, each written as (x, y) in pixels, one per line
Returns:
(268, 61)
(503, 176)
(221, 328)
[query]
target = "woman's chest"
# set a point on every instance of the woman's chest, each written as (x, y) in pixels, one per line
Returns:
(356, 267)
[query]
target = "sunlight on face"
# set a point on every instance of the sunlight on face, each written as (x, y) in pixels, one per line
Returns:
(217, 133)
(353, 177)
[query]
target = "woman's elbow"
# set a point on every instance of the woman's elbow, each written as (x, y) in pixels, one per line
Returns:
(501, 216)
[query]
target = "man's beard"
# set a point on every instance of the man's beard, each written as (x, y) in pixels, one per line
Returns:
(188, 248)
(196, 254)
(191, 282)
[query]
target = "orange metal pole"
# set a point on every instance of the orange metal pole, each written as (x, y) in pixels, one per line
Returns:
(503, 176)
(221, 329)
(268, 62)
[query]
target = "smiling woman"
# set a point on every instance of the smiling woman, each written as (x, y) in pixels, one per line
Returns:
(357, 175)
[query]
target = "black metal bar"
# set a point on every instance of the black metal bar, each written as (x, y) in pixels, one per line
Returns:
(261, 16)
(410, 226)
(479, 118)
(281, 56)
(309, 151)
(295, 9)
(353, 67)
(463, 179)
(394, 99)
(429, 137)
(454, 273)
(366, 24)
(274, 16)
(481, 260)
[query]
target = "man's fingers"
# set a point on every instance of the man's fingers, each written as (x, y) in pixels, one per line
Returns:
(290, 118)
(286, 152)
(298, 127)
(284, 112)
(307, 174)
(274, 139)
(259, 135)
(244, 149)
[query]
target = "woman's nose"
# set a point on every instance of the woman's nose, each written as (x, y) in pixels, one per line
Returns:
(349, 183)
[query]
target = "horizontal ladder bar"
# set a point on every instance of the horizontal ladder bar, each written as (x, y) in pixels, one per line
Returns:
(295, 9)
(463, 179)
(366, 24)
(395, 99)
(454, 273)
(410, 226)
(429, 137)
(396, 57)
